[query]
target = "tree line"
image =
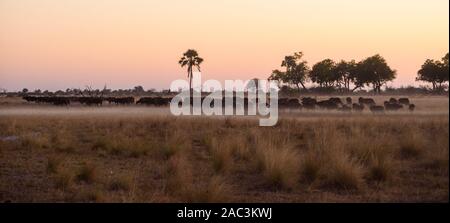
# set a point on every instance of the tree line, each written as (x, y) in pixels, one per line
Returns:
(349, 76)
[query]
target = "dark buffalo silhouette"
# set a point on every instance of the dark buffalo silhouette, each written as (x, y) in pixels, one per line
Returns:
(349, 100)
(403, 101)
(328, 104)
(336, 101)
(366, 101)
(393, 101)
(154, 101)
(309, 103)
(89, 101)
(29, 98)
(48, 100)
(389, 106)
(294, 103)
(61, 101)
(121, 100)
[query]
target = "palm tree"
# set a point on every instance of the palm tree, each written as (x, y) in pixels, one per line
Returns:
(190, 59)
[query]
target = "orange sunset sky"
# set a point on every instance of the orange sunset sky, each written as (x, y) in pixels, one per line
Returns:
(59, 44)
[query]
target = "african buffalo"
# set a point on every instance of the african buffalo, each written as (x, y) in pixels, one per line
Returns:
(393, 101)
(349, 100)
(336, 100)
(403, 101)
(328, 104)
(389, 106)
(366, 101)
(309, 103)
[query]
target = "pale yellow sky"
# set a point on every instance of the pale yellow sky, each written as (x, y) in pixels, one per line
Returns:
(56, 44)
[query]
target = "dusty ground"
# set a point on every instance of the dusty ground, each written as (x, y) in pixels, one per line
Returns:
(142, 154)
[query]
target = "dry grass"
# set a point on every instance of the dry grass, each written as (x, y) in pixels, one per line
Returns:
(121, 183)
(217, 191)
(343, 173)
(122, 145)
(64, 180)
(179, 178)
(174, 143)
(413, 146)
(54, 164)
(221, 155)
(90, 195)
(329, 162)
(322, 158)
(278, 163)
(380, 170)
(87, 173)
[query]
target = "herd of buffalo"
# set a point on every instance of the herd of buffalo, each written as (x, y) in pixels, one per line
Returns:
(347, 105)
(55, 100)
(334, 103)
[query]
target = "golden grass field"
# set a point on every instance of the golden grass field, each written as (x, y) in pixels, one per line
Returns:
(143, 154)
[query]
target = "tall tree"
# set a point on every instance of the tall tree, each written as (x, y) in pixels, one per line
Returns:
(445, 60)
(190, 60)
(435, 72)
(345, 73)
(137, 89)
(323, 73)
(279, 76)
(296, 71)
(445, 71)
(298, 76)
(374, 71)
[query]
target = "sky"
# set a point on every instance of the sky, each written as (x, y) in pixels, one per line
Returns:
(59, 44)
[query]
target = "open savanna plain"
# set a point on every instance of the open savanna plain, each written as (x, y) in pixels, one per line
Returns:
(144, 154)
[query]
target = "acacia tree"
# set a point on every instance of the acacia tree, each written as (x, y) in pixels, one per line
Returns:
(445, 62)
(323, 73)
(190, 60)
(279, 76)
(374, 71)
(445, 71)
(435, 72)
(345, 73)
(296, 71)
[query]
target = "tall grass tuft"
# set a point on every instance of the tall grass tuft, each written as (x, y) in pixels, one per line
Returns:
(221, 156)
(343, 174)
(411, 145)
(279, 164)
